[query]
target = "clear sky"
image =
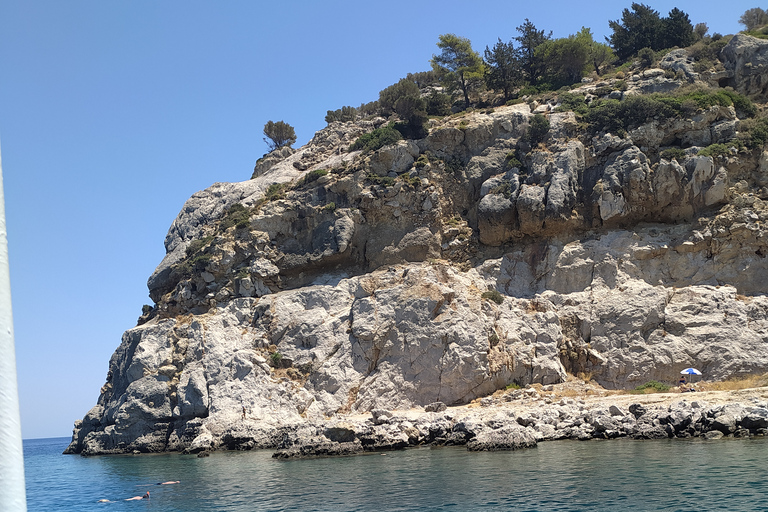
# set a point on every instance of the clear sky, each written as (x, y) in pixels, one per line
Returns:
(113, 113)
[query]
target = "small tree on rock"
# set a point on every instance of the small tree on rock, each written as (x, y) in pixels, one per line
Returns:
(538, 129)
(677, 30)
(638, 28)
(458, 65)
(278, 135)
(389, 96)
(567, 58)
(502, 69)
(530, 39)
(754, 18)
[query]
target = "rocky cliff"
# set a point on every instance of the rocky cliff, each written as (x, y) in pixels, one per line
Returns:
(443, 269)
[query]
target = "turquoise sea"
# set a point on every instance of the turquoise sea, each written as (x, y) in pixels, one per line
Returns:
(677, 475)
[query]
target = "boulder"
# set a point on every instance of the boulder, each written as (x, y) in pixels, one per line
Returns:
(506, 438)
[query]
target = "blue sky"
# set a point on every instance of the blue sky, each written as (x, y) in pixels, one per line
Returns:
(113, 113)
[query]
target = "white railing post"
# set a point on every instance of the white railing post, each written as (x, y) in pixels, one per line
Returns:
(12, 490)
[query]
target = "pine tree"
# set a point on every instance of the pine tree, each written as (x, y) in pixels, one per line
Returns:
(502, 69)
(530, 38)
(458, 65)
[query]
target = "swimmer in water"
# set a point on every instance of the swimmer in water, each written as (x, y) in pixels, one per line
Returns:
(168, 483)
(145, 497)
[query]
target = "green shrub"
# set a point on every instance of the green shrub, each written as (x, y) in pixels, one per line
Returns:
(493, 296)
(706, 53)
(505, 189)
(146, 309)
(438, 104)
(313, 176)
(602, 91)
(614, 115)
(421, 162)
(196, 246)
(408, 180)
(452, 165)
(673, 154)
(237, 215)
(196, 258)
(389, 96)
(330, 207)
(343, 114)
(368, 109)
(275, 191)
(571, 102)
(758, 133)
(715, 150)
(653, 386)
(275, 358)
(512, 161)
(742, 104)
(513, 385)
(538, 129)
(384, 181)
(376, 139)
(647, 57)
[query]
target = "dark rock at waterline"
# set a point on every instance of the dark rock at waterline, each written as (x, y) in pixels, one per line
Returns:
(319, 447)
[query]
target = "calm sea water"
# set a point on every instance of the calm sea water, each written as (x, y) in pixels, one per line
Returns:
(674, 475)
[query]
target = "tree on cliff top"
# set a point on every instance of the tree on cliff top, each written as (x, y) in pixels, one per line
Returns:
(529, 39)
(458, 65)
(754, 18)
(502, 68)
(278, 135)
(677, 30)
(567, 58)
(642, 27)
(639, 28)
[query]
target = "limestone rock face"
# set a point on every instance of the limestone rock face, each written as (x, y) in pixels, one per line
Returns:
(746, 60)
(436, 272)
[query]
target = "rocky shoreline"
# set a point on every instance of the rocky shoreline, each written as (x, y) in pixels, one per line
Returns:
(522, 418)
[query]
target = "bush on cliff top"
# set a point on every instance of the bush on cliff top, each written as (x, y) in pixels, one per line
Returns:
(633, 111)
(377, 139)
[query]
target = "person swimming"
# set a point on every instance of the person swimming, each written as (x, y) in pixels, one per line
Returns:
(168, 483)
(145, 497)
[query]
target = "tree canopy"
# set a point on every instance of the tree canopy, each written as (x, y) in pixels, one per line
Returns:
(639, 28)
(677, 30)
(458, 65)
(278, 135)
(404, 99)
(388, 97)
(529, 39)
(502, 68)
(642, 27)
(754, 18)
